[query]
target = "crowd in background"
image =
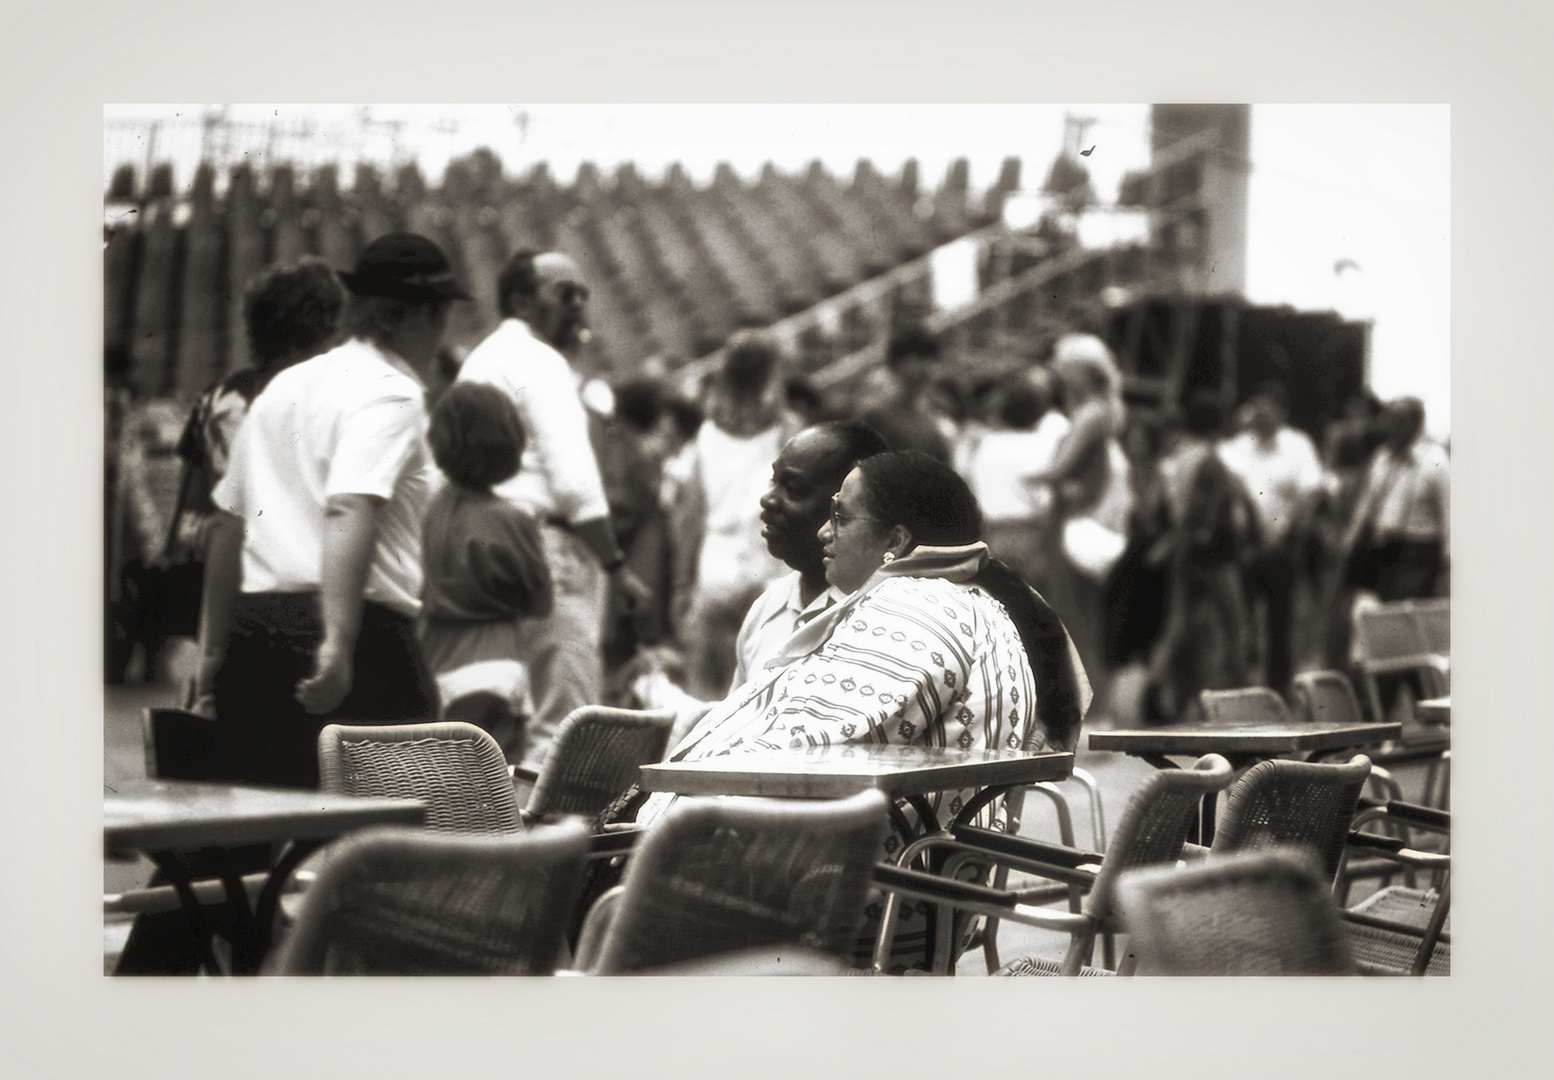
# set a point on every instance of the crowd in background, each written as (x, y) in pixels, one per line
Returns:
(1202, 547)
(1200, 544)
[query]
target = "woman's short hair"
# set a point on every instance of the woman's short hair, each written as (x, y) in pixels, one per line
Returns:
(639, 402)
(910, 342)
(1023, 404)
(1089, 355)
(748, 366)
(927, 497)
(1204, 414)
(292, 310)
(477, 439)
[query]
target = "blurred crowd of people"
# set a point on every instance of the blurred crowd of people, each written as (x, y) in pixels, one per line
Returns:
(512, 540)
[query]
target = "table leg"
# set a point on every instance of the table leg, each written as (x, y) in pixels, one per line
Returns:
(925, 814)
(269, 901)
(1204, 833)
(178, 875)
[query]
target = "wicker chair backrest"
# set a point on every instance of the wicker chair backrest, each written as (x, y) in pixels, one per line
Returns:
(597, 754)
(1325, 697)
(457, 769)
(1154, 826)
(399, 901)
(1298, 804)
(720, 875)
(1246, 706)
(1404, 628)
(1264, 913)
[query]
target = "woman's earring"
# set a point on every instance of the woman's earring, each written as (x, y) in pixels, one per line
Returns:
(890, 557)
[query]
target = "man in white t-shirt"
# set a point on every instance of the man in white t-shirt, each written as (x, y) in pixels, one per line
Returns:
(1279, 468)
(543, 301)
(314, 572)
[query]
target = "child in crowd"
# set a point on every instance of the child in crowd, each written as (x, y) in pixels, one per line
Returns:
(485, 566)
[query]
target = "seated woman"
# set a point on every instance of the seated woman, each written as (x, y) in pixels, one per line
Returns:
(935, 645)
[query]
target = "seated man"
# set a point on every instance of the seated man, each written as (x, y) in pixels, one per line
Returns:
(809, 469)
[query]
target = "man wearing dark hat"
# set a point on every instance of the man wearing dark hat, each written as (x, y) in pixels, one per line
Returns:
(324, 500)
(543, 300)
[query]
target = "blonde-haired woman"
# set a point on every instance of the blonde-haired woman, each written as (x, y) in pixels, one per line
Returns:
(1091, 493)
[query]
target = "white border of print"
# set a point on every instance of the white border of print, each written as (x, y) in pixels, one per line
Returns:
(60, 64)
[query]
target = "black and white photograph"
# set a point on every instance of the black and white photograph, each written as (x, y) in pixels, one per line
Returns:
(767, 540)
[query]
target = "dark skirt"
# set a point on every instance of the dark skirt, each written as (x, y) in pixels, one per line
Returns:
(268, 737)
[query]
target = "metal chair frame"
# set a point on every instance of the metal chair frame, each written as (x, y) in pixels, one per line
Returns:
(1144, 836)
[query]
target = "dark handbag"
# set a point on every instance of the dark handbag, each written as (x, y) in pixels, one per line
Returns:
(1362, 567)
(170, 591)
(171, 598)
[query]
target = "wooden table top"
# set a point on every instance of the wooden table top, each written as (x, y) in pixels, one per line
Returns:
(1267, 739)
(838, 771)
(183, 815)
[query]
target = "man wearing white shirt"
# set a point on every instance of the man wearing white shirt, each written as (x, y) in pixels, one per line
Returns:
(543, 301)
(314, 565)
(1279, 468)
(1406, 501)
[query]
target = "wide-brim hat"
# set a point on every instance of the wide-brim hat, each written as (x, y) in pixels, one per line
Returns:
(404, 266)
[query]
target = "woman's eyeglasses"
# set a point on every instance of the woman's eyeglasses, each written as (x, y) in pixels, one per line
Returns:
(837, 520)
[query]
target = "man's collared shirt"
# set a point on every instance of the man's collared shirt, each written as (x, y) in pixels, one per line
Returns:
(772, 619)
(1414, 490)
(1276, 477)
(349, 422)
(559, 477)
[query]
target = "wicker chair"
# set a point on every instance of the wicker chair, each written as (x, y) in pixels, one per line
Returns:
(1244, 707)
(456, 768)
(717, 876)
(1255, 913)
(1299, 804)
(1400, 928)
(398, 901)
(1329, 696)
(1152, 832)
(1402, 638)
(597, 754)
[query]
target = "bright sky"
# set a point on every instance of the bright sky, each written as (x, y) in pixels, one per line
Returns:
(1369, 183)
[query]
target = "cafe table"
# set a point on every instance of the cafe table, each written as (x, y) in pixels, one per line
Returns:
(167, 818)
(1242, 744)
(837, 771)
(1434, 710)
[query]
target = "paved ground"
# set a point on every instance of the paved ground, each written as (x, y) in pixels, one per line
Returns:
(1118, 777)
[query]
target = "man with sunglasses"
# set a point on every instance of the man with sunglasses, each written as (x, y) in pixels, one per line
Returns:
(543, 300)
